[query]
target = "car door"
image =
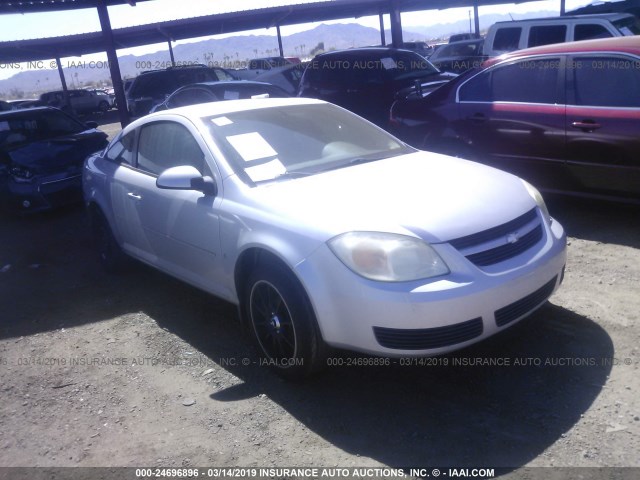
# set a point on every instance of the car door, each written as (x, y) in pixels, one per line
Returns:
(79, 100)
(603, 124)
(513, 117)
(125, 178)
(175, 230)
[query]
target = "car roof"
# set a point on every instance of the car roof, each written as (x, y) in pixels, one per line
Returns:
(222, 108)
(607, 16)
(223, 83)
(630, 44)
(176, 68)
(464, 42)
(364, 51)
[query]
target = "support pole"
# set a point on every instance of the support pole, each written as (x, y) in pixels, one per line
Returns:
(63, 81)
(173, 60)
(114, 66)
(562, 7)
(383, 40)
(396, 24)
(279, 41)
(476, 17)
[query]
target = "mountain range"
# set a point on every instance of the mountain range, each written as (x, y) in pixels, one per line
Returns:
(230, 52)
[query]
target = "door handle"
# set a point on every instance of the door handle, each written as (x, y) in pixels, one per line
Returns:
(586, 125)
(477, 118)
(134, 196)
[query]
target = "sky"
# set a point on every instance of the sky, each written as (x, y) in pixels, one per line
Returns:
(52, 24)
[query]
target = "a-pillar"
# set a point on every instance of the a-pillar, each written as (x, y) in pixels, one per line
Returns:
(396, 24)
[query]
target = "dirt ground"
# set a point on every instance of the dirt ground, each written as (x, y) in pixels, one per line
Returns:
(137, 369)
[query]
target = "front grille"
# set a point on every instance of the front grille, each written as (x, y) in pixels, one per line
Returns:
(519, 308)
(508, 249)
(428, 338)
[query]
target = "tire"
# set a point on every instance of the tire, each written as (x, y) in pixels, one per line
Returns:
(103, 107)
(111, 256)
(282, 322)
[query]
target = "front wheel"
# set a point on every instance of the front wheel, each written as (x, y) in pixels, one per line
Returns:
(111, 255)
(103, 107)
(282, 322)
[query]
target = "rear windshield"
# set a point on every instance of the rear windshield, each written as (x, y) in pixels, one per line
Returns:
(368, 69)
(33, 126)
(407, 66)
(162, 83)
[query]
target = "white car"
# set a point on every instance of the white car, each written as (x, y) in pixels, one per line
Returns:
(324, 229)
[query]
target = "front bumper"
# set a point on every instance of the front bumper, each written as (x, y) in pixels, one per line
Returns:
(42, 193)
(435, 316)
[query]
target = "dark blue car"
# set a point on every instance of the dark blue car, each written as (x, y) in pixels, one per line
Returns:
(41, 155)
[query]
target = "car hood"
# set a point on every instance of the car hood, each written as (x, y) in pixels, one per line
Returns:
(432, 196)
(53, 154)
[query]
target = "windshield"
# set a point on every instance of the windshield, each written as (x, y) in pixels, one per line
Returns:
(628, 26)
(403, 66)
(297, 140)
(459, 49)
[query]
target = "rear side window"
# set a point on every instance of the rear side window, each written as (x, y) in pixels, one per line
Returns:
(195, 75)
(507, 39)
(589, 30)
(328, 71)
(259, 65)
(607, 81)
(154, 84)
(546, 34)
(527, 81)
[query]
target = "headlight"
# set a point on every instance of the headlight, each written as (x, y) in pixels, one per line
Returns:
(535, 194)
(387, 257)
(21, 174)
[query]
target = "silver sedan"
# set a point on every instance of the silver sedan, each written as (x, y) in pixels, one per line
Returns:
(325, 230)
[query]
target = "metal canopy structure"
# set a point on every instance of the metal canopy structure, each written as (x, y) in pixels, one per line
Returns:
(37, 6)
(87, 43)
(109, 40)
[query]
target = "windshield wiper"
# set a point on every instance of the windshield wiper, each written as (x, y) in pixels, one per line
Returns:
(286, 176)
(294, 174)
(367, 159)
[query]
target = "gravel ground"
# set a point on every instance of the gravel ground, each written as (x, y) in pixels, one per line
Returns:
(138, 369)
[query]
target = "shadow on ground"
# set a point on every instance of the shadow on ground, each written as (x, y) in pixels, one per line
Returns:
(500, 416)
(598, 221)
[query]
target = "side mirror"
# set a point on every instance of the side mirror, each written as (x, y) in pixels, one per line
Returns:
(91, 124)
(186, 177)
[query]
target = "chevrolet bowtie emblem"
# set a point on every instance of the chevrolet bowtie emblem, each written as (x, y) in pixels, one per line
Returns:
(513, 237)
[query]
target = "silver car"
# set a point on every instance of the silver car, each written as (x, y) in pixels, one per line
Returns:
(324, 229)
